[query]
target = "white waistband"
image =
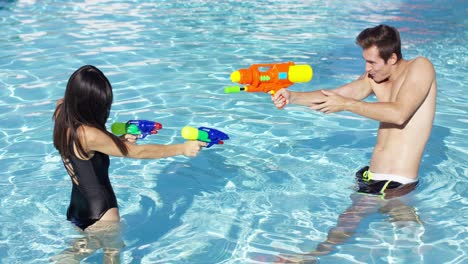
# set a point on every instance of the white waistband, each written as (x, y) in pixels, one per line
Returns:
(391, 177)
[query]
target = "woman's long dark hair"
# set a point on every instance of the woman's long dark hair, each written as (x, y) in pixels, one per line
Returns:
(87, 101)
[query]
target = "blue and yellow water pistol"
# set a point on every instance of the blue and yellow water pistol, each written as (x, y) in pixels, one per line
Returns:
(139, 128)
(210, 135)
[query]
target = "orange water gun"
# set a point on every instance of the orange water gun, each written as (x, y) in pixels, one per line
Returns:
(269, 78)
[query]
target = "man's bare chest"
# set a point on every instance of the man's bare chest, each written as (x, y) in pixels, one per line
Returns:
(387, 92)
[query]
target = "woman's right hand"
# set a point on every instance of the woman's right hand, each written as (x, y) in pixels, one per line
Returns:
(192, 147)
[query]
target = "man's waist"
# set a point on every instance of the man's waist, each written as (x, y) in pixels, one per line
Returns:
(399, 164)
(390, 177)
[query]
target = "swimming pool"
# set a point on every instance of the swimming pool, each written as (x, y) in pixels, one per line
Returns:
(281, 181)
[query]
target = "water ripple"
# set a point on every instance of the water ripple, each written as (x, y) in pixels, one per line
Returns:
(279, 183)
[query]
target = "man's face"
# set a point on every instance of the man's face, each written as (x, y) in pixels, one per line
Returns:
(376, 68)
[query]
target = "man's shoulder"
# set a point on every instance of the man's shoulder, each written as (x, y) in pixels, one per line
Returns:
(421, 65)
(420, 61)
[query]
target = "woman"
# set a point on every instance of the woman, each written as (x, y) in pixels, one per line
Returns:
(84, 144)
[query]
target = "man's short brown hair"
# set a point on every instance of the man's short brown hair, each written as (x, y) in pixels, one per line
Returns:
(385, 38)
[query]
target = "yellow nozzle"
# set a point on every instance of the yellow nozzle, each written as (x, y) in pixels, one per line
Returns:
(300, 73)
(189, 133)
(235, 76)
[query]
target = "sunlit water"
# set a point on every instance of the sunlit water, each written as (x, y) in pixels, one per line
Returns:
(281, 181)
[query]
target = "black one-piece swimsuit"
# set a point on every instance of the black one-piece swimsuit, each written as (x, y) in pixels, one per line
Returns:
(93, 195)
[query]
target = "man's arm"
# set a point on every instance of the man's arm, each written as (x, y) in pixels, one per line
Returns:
(412, 94)
(357, 90)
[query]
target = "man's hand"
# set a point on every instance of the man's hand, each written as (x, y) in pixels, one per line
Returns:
(330, 103)
(281, 98)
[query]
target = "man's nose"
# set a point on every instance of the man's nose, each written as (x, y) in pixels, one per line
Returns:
(368, 67)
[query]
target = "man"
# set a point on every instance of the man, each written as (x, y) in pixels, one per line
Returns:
(406, 101)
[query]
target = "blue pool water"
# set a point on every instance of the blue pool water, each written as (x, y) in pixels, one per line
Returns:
(281, 181)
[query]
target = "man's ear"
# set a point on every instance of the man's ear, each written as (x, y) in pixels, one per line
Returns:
(393, 59)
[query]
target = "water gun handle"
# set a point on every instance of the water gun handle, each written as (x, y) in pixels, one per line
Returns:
(282, 97)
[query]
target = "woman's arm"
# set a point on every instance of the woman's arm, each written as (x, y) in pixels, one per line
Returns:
(94, 139)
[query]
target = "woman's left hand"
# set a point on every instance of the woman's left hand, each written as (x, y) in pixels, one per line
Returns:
(130, 138)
